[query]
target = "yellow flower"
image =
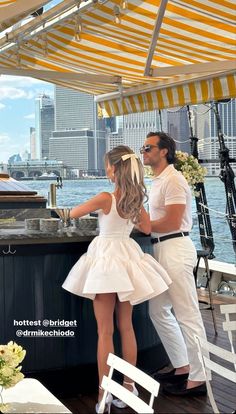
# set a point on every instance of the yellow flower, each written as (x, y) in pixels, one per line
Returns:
(6, 371)
(11, 356)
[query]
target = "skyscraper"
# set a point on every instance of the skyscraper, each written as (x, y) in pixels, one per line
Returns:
(114, 139)
(32, 144)
(178, 128)
(137, 126)
(76, 149)
(79, 136)
(73, 110)
(207, 133)
(44, 125)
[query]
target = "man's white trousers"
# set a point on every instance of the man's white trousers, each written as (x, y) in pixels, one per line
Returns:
(178, 257)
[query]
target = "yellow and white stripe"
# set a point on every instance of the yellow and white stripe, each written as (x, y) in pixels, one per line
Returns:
(193, 32)
(6, 2)
(190, 93)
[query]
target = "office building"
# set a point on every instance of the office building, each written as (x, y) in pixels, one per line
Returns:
(76, 149)
(136, 127)
(44, 125)
(77, 111)
(114, 139)
(207, 133)
(32, 143)
(73, 110)
(178, 128)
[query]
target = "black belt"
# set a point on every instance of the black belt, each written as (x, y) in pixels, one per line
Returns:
(169, 236)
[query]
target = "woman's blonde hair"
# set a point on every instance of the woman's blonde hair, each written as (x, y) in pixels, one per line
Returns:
(132, 193)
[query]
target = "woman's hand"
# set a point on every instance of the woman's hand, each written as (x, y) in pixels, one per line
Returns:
(145, 224)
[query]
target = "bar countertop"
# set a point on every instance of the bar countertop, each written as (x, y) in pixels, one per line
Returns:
(16, 234)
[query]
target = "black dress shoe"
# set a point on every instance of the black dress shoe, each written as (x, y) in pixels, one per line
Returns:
(170, 377)
(181, 390)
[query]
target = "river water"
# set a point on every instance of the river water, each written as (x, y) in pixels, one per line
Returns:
(77, 191)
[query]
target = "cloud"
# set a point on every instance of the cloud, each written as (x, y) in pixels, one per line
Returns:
(8, 145)
(4, 138)
(2, 106)
(19, 87)
(20, 81)
(30, 116)
(15, 93)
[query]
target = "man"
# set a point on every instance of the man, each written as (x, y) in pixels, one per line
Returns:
(170, 212)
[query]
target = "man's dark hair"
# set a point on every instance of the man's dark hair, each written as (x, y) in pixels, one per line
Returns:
(165, 141)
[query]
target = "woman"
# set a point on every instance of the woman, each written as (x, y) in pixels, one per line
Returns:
(115, 273)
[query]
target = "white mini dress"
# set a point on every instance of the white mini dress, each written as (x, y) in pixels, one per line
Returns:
(114, 262)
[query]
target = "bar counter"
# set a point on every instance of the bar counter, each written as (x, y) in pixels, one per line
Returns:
(33, 266)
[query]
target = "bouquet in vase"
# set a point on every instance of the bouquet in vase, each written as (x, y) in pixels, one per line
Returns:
(11, 355)
(189, 166)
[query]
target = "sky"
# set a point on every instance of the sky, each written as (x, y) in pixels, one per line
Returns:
(17, 106)
(17, 112)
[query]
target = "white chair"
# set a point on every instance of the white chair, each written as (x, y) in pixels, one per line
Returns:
(205, 347)
(229, 325)
(109, 385)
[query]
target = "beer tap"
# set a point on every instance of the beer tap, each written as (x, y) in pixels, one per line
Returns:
(52, 195)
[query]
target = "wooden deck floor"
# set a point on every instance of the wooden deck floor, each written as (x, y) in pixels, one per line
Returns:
(224, 391)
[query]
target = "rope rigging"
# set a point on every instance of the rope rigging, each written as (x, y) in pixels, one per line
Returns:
(204, 221)
(227, 177)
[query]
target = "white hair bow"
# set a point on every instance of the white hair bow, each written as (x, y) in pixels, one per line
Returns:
(134, 166)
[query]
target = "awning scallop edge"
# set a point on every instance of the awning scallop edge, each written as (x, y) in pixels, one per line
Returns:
(205, 90)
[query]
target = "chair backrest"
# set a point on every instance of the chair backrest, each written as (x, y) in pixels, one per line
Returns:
(137, 376)
(204, 348)
(204, 345)
(229, 325)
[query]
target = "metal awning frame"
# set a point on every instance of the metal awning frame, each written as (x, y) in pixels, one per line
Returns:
(42, 23)
(12, 11)
(148, 71)
(53, 75)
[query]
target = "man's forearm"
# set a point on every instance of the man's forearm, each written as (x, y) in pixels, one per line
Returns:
(171, 221)
(164, 225)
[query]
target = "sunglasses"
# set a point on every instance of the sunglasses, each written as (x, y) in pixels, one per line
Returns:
(147, 148)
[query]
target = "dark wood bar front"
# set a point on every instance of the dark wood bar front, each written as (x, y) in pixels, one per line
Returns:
(31, 275)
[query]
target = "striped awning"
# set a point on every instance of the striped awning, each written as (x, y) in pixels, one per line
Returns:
(191, 93)
(186, 48)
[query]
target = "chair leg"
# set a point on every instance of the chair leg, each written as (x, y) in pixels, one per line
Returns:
(210, 294)
(102, 403)
(211, 398)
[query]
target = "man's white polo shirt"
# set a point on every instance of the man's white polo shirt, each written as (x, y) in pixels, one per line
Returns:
(170, 187)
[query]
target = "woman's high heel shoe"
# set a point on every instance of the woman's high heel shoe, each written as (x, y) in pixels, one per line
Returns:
(108, 403)
(119, 403)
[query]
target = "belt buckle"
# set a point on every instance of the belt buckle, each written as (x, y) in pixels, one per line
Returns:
(155, 240)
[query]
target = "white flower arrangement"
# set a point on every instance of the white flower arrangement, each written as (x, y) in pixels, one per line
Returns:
(11, 355)
(189, 166)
